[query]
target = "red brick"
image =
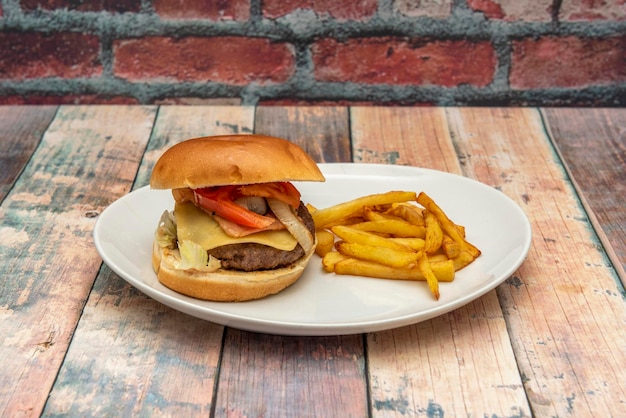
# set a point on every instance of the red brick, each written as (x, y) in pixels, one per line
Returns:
(576, 10)
(119, 6)
(341, 10)
(514, 10)
(490, 8)
(407, 62)
(33, 55)
(232, 60)
(567, 62)
(429, 8)
(201, 9)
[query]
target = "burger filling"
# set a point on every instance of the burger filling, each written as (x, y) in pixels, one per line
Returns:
(252, 256)
(252, 227)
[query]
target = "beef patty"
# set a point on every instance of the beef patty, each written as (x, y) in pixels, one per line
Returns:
(252, 257)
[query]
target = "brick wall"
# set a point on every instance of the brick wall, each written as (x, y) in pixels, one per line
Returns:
(405, 52)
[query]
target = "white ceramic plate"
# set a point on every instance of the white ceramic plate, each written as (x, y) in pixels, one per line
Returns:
(325, 304)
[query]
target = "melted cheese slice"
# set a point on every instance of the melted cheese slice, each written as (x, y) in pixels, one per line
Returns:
(198, 226)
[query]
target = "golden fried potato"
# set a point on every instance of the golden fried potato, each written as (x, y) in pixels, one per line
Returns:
(393, 227)
(431, 279)
(381, 255)
(435, 258)
(444, 271)
(326, 216)
(389, 236)
(409, 212)
(325, 242)
(450, 247)
(349, 234)
(331, 259)
(372, 214)
(434, 234)
(415, 244)
(464, 259)
(350, 220)
(446, 224)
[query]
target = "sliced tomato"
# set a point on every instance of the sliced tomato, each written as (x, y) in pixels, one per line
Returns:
(283, 191)
(237, 230)
(220, 201)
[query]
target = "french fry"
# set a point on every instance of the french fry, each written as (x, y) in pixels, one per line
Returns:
(380, 208)
(446, 224)
(392, 226)
(436, 258)
(326, 216)
(415, 244)
(434, 234)
(349, 220)
(381, 255)
(310, 208)
(331, 259)
(371, 214)
(410, 213)
(325, 242)
(431, 279)
(464, 259)
(349, 234)
(450, 247)
(388, 236)
(444, 271)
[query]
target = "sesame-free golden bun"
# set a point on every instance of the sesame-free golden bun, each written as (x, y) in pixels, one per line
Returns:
(232, 160)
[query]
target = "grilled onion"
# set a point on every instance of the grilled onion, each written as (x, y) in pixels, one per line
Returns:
(294, 225)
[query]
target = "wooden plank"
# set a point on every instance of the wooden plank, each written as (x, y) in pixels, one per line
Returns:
(268, 375)
(21, 129)
(458, 364)
(592, 142)
(403, 136)
(150, 359)
(564, 307)
(323, 132)
(87, 158)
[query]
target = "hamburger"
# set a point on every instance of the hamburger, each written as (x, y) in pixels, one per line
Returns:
(238, 230)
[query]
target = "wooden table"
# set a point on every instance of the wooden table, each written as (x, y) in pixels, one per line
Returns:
(78, 340)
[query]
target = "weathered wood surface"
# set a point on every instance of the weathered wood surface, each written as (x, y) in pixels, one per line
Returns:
(323, 132)
(592, 143)
(81, 341)
(152, 360)
(87, 158)
(564, 307)
(21, 129)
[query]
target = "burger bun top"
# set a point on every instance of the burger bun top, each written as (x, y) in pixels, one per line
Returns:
(231, 160)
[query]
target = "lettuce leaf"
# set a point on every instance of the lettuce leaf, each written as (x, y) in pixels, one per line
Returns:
(194, 257)
(165, 235)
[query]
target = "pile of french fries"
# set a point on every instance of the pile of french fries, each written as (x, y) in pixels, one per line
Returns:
(395, 235)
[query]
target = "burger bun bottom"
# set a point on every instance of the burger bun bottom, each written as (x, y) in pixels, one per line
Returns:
(225, 285)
